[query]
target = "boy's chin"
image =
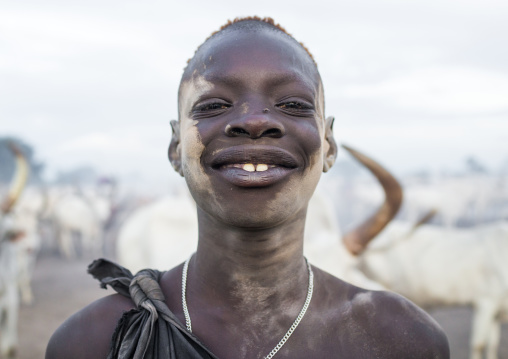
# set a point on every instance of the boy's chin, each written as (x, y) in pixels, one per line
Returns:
(255, 216)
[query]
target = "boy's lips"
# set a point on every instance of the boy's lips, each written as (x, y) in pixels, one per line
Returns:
(254, 166)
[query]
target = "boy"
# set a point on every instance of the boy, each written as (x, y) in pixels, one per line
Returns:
(251, 142)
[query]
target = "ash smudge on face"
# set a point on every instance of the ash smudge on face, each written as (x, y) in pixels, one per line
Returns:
(191, 145)
(244, 108)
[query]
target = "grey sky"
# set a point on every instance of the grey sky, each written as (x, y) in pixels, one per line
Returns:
(417, 84)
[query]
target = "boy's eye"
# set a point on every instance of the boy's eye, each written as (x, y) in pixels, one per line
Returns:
(210, 107)
(295, 105)
(213, 106)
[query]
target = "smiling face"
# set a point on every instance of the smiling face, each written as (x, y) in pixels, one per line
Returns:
(252, 135)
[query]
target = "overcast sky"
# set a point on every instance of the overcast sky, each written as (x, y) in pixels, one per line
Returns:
(416, 84)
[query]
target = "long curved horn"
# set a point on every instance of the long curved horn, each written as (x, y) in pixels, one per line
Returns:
(18, 181)
(356, 240)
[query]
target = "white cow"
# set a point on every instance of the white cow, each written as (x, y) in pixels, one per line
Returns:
(18, 248)
(10, 255)
(159, 235)
(433, 265)
(77, 214)
(24, 217)
(11, 271)
(9, 298)
(27, 247)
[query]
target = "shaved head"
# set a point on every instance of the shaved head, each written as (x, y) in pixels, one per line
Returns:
(250, 24)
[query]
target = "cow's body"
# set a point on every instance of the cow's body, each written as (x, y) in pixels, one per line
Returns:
(159, 235)
(74, 214)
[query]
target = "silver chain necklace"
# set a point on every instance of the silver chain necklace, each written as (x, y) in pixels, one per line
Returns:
(286, 336)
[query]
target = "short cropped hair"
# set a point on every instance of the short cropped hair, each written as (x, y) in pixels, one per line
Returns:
(251, 23)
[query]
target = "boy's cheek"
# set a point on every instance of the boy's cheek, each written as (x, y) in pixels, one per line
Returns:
(192, 146)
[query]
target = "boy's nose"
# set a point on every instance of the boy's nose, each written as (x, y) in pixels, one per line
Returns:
(255, 126)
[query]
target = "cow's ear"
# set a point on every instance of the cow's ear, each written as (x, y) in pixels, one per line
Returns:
(174, 150)
(330, 146)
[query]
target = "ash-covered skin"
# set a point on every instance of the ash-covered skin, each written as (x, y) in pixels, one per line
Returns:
(245, 108)
(191, 146)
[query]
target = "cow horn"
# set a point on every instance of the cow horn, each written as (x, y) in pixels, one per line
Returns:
(18, 181)
(356, 240)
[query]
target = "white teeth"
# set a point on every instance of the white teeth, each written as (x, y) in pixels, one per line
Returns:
(249, 167)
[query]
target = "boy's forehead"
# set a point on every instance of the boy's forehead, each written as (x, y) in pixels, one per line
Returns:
(261, 52)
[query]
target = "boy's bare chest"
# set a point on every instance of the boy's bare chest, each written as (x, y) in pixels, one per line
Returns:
(319, 335)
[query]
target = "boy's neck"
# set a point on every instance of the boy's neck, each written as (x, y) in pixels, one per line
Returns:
(248, 266)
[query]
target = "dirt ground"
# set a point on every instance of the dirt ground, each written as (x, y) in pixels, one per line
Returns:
(61, 287)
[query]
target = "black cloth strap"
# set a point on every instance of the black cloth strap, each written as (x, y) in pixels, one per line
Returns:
(151, 331)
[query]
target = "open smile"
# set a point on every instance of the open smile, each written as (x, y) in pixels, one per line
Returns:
(250, 167)
(254, 166)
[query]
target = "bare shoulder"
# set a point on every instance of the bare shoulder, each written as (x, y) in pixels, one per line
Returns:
(376, 324)
(88, 333)
(398, 327)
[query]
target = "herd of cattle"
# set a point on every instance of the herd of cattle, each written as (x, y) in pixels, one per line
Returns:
(431, 264)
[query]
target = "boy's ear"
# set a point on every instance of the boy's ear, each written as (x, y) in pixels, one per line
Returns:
(174, 150)
(329, 155)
